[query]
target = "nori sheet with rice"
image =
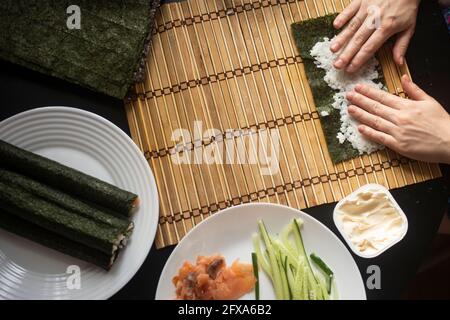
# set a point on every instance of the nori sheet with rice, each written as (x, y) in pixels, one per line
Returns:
(107, 54)
(306, 34)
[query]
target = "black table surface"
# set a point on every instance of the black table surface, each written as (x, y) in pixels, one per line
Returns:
(424, 203)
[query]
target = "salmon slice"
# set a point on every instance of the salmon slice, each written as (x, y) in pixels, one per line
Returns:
(211, 279)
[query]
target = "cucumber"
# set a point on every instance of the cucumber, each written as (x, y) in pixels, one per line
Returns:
(66, 179)
(64, 200)
(262, 261)
(49, 216)
(286, 262)
(54, 241)
(329, 275)
(297, 223)
(276, 276)
(256, 274)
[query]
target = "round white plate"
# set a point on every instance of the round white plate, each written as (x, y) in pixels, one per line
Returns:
(230, 233)
(94, 145)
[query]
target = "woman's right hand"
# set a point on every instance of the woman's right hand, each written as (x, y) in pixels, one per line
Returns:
(418, 127)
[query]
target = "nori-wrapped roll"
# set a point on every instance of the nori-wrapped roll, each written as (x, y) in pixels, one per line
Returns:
(66, 179)
(54, 241)
(65, 201)
(49, 216)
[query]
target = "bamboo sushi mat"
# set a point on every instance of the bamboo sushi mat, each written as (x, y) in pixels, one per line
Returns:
(223, 64)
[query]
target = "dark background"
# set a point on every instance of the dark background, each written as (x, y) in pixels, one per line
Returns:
(424, 204)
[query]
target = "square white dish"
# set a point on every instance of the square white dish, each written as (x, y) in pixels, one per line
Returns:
(339, 226)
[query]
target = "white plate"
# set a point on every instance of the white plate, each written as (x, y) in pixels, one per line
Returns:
(94, 145)
(230, 233)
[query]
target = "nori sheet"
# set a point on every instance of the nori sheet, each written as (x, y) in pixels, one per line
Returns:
(306, 34)
(107, 54)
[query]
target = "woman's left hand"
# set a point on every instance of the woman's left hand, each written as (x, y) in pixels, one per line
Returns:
(418, 127)
(370, 23)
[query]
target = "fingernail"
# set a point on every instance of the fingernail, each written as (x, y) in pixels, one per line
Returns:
(337, 23)
(402, 60)
(358, 87)
(361, 129)
(350, 95)
(351, 109)
(339, 63)
(333, 47)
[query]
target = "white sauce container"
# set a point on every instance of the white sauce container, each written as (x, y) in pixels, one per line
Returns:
(340, 227)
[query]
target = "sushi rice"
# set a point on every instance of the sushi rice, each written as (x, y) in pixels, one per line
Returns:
(344, 82)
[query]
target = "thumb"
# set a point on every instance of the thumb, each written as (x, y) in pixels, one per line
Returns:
(401, 45)
(413, 91)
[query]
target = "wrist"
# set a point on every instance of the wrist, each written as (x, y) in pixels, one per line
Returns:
(416, 3)
(447, 145)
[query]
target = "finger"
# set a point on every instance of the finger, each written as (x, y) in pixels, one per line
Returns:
(368, 50)
(372, 106)
(413, 91)
(375, 122)
(401, 45)
(378, 136)
(383, 97)
(347, 14)
(356, 42)
(341, 40)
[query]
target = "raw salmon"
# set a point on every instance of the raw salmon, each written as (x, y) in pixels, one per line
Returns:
(211, 279)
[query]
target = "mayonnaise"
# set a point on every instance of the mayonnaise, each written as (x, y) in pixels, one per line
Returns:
(370, 220)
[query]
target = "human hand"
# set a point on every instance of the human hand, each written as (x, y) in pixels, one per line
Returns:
(370, 24)
(418, 128)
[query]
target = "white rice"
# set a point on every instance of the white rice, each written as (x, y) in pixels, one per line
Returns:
(344, 82)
